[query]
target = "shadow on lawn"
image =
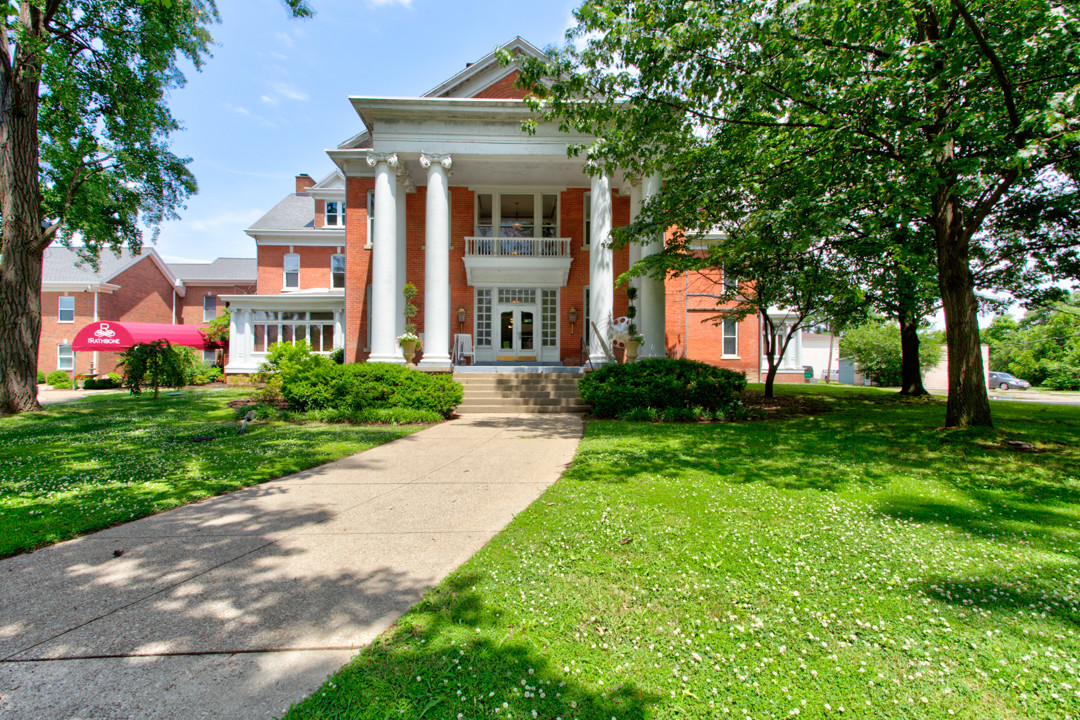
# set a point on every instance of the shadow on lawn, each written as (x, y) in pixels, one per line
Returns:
(452, 657)
(1036, 600)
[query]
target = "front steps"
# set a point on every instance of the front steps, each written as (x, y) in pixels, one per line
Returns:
(524, 392)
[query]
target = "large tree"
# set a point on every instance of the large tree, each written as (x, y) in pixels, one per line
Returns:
(84, 143)
(972, 103)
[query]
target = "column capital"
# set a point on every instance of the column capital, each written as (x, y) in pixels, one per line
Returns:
(427, 160)
(375, 159)
(404, 179)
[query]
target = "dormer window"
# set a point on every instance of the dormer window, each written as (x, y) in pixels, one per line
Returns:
(335, 213)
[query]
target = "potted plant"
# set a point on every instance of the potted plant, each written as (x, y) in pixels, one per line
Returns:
(634, 341)
(409, 340)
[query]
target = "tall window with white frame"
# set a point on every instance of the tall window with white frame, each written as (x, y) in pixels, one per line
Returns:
(731, 337)
(587, 205)
(209, 304)
(66, 312)
(370, 217)
(292, 270)
(337, 271)
(65, 357)
(335, 213)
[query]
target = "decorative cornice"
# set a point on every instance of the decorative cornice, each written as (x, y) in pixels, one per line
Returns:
(429, 159)
(391, 159)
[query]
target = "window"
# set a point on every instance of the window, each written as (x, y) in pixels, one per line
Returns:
(483, 317)
(316, 327)
(588, 218)
(67, 310)
(367, 305)
(370, 217)
(587, 319)
(731, 337)
(292, 270)
(484, 216)
(209, 308)
(517, 215)
(335, 212)
(209, 355)
(65, 358)
(730, 281)
(337, 271)
(548, 318)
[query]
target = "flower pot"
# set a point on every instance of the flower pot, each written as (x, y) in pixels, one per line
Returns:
(631, 350)
(408, 350)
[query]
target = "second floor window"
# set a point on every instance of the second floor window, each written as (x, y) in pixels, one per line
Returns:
(67, 310)
(335, 212)
(292, 270)
(337, 271)
(370, 217)
(209, 308)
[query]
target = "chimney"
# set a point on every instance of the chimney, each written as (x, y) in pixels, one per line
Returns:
(303, 182)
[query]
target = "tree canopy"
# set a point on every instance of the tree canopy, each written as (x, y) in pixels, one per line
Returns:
(953, 114)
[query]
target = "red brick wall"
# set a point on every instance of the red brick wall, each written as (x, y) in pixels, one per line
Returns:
(314, 266)
(357, 267)
(53, 332)
(503, 89)
(190, 308)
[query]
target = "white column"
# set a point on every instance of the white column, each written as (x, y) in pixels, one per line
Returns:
(405, 185)
(437, 262)
(601, 277)
(635, 210)
(652, 311)
(339, 329)
(384, 279)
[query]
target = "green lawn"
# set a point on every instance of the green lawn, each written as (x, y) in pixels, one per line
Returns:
(864, 563)
(82, 466)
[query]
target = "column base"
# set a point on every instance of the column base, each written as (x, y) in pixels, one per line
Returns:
(434, 361)
(398, 359)
(600, 359)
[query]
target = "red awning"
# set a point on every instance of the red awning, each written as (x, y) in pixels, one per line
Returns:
(110, 335)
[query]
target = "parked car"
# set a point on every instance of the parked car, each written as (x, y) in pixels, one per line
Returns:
(1006, 381)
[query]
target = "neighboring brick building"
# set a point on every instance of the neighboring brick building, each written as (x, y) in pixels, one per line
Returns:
(126, 288)
(500, 232)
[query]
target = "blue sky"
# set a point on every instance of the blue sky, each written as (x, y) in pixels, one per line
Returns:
(275, 94)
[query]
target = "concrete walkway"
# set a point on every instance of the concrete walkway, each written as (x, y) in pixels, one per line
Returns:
(238, 606)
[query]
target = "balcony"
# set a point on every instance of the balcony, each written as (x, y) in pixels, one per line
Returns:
(517, 247)
(514, 260)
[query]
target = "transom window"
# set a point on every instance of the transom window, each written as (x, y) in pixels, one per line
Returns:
(527, 215)
(271, 326)
(67, 310)
(517, 295)
(335, 212)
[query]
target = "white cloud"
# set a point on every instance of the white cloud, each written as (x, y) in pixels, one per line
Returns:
(381, 3)
(284, 39)
(280, 89)
(241, 110)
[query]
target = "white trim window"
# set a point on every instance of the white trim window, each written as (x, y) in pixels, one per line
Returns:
(65, 357)
(730, 281)
(335, 213)
(209, 308)
(517, 214)
(586, 203)
(731, 337)
(291, 266)
(270, 327)
(370, 218)
(337, 271)
(209, 355)
(66, 310)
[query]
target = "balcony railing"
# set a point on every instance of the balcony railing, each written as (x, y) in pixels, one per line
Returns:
(516, 247)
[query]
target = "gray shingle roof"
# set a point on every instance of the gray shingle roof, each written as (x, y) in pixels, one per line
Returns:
(294, 212)
(63, 265)
(231, 269)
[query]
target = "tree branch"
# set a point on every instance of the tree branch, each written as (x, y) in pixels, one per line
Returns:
(999, 70)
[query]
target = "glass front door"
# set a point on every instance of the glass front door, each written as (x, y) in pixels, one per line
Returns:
(517, 337)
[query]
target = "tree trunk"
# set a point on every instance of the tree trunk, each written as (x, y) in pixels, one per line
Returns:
(23, 242)
(770, 378)
(969, 403)
(910, 363)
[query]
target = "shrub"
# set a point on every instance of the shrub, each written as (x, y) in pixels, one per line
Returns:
(375, 416)
(59, 379)
(103, 383)
(40, 377)
(876, 347)
(155, 364)
(661, 383)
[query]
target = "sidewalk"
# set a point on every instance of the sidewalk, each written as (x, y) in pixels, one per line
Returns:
(239, 605)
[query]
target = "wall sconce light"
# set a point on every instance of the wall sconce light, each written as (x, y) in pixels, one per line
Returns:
(460, 318)
(572, 317)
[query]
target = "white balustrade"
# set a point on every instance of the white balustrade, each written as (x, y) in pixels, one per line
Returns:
(516, 247)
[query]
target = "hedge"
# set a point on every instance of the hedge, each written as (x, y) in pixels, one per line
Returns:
(660, 384)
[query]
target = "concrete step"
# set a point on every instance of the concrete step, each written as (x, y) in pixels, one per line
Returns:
(495, 409)
(520, 393)
(523, 402)
(513, 393)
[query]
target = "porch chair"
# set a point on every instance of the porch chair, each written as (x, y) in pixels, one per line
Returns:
(463, 348)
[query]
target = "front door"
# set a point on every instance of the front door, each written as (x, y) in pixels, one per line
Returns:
(516, 333)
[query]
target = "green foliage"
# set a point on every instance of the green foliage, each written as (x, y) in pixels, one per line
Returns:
(876, 348)
(312, 382)
(409, 291)
(41, 377)
(59, 379)
(108, 382)
(1042, 348)
(338, 356)
(659, 384)
(216, 332)
(155, 365)
(376, 416)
